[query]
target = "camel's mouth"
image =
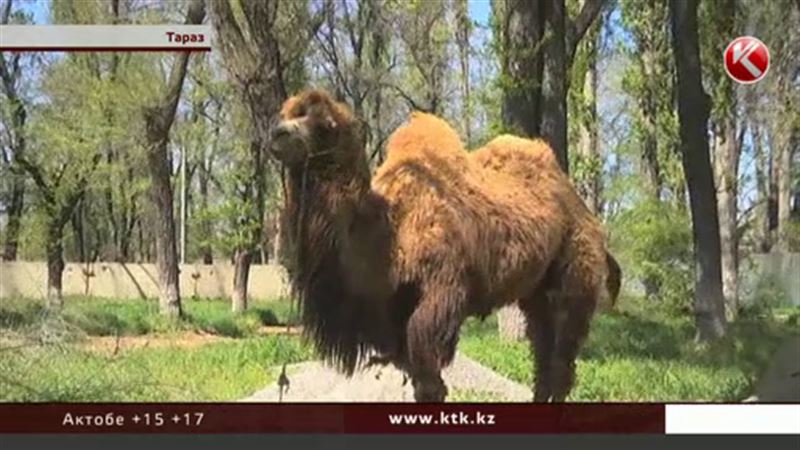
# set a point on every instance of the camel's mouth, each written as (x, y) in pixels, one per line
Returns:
(288, 148)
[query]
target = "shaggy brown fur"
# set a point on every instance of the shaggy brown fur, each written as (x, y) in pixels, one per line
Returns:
(396, 263)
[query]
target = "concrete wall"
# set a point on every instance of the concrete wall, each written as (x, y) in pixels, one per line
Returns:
(27, 279)
(136, 281)
(783, 267)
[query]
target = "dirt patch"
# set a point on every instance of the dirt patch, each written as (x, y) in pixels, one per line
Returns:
(279, 329)
(114, 344)
(111, 345)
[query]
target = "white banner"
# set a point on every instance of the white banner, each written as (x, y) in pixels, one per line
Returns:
(105, 37)
(733, 419)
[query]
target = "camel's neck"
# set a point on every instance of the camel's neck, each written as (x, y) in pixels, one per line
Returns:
(339, 216)
(340, 239)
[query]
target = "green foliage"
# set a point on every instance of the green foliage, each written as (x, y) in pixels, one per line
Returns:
(654, 243)
(649, 80)
(585, 167)
(792, 234)
(767, 295)
(718, 25)
(645, 357)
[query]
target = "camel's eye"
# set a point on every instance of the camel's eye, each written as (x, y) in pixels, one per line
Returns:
(301, 110)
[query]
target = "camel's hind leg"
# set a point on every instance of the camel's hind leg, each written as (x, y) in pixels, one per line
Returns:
(574, 305)
(432, 336)
(542, 336)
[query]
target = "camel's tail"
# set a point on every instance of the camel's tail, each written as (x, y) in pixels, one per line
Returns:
(614, 279)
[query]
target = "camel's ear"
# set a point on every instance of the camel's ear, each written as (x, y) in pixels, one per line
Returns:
(330, 122)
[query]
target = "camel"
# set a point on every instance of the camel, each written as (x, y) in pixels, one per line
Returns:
(393, 264)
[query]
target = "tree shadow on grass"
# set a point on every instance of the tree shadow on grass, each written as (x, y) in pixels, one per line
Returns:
(748, 346)
(622, 335)
(17, 314)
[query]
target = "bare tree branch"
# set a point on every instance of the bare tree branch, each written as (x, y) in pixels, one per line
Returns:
(410, 100)
(38, 179)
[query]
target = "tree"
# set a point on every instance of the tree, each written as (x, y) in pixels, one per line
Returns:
(14, 106)
(351, 48)
(159, 118)
(63, 157)
(693, 113)
(262, 49)
(770, 113)
(587, 166)
(650, 80)
(463, 29)
(785, 123)
(425, 34)
(719, 20)
(537, 42)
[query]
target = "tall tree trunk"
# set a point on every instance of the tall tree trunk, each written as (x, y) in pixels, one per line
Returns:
(16, 131)
(537, 42)
(588, 145)
(693, 111)
(763, 243)
(55, 263)
(726, 164)
(554, 81)
(205, 225)
(159, 119)
(164, 228)
(521, 30)
(650, 161)
(241, 273)
(78, 232)
(277, 242)
(14, 211)
(462, 41)
(784, 194)
(773, 181)
(254, 59)
(725, 146)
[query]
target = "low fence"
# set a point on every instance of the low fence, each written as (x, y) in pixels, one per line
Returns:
(106, 279)
(137, 281)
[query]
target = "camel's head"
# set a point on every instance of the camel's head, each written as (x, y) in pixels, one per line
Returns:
(314, 127)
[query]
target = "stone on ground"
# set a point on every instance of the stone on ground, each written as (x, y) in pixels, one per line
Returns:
(466, 379)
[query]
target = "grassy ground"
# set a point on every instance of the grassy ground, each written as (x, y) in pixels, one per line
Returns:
(630, 356)
(46, 358)
(638, 357)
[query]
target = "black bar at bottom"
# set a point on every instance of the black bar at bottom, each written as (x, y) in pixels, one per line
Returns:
(399, 442)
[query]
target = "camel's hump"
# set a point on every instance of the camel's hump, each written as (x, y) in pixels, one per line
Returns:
(424, 133)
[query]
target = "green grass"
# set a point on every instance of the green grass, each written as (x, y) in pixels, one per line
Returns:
(629, 356)
(109, 317)
(41, 358)
(214, 372)
(632, 358)
(472, 396)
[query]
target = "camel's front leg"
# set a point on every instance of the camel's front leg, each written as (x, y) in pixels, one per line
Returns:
(432, 337)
